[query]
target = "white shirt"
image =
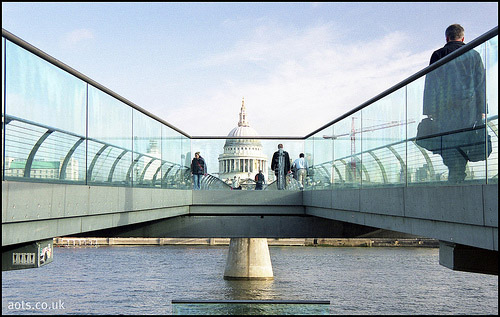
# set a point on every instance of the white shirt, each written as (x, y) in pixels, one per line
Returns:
(300, 163)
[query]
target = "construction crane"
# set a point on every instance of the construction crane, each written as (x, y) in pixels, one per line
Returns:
(355, 131)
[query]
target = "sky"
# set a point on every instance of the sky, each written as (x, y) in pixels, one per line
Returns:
(297, 65)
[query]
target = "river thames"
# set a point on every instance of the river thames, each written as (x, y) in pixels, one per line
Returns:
(146, 279)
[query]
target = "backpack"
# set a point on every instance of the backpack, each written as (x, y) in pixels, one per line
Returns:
(259, 178)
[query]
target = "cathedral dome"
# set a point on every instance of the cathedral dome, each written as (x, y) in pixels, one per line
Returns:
(243, 131)
(242, 158)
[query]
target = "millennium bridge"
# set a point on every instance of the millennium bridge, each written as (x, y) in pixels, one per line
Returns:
(80, 160)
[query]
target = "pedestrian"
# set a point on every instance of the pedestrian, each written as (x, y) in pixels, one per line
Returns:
(280, 164)
(198, 170)
(260, 180)
(454, 99)
(300, 166)
(236, 183)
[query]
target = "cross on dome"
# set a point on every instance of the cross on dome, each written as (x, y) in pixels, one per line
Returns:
(243, 115)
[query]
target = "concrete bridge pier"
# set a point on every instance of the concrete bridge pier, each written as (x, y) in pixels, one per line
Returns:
(248, 259)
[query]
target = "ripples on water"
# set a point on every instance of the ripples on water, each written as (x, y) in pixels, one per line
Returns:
(145, 279)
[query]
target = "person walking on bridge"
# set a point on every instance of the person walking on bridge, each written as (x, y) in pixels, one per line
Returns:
(454, 99)
(280, 164)
(300, 165)
(260, 180)
(198, 170)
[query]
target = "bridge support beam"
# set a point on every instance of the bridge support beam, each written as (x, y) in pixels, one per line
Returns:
(248, 259)
(460, 257)
(27, 255)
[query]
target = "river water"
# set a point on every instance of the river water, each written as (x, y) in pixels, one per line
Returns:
(145, 280)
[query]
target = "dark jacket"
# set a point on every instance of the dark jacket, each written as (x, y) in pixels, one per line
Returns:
(445, 50)
(275, 162)
(198, 166)
(260, 178)
(454, 93)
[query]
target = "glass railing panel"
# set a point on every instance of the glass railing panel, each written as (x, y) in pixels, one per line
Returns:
(321, 166)
(105, 129)
(492, 101)
(374, 170)
(73, 167)
(454, 96)
(20, 139)
(345, 149)
(147, 149)
(3, 104)
(104, 165)
(39, 152)
(396, 156)
(55, 159)
(211, 151)
(475, 170)
(145, 170)
(43, 93)
(100, 160)
(45, 124)
(423, 166)
(294, 148)
(184, 171)
(420, 167)
(36, 151)
(120, 173)
(308, 150)
(383, 124)
(46, 108)
(174, 172)
(175, 176)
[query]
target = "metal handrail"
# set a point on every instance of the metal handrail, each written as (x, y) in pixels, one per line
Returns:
(490, 124)
(413, 139)
(9, 119)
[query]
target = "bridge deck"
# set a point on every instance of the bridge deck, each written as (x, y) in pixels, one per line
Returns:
(459, 214)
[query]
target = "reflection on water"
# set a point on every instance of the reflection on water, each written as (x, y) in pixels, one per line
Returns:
(261, 290)
(252, 298)
(237, 308)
